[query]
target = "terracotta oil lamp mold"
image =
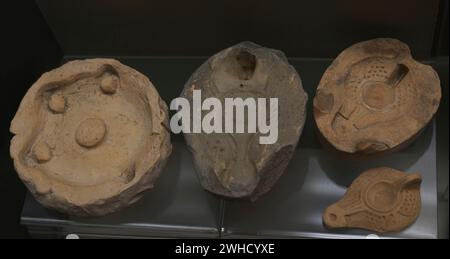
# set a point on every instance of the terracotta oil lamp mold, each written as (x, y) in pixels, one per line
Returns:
(237, 165)
(375, 98)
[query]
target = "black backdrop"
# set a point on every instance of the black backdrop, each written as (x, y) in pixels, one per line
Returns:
(319, 28)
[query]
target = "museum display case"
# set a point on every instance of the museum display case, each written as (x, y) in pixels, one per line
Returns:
(167, 44)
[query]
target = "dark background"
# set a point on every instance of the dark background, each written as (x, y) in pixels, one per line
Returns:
(319, 28)
(35, 35)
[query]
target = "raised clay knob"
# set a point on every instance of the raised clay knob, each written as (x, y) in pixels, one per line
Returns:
(57, 103)
(90, 132)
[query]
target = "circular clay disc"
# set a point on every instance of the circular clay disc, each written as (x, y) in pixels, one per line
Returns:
(375, 97)
(89, 137)
(238, 165)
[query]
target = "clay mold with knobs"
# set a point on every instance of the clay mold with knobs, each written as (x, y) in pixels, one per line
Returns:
(381, 200)
(90, 137)
(375, 98)
(237, 165)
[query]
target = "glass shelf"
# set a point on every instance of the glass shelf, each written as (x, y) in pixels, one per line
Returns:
(314, 180)
(179, 207)
(176, 207)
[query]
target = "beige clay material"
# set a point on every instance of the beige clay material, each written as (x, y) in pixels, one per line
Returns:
(381, 200)
(375, 97)
(237, 165)
(90, 137)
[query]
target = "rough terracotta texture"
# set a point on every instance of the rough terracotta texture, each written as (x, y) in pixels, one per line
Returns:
(236, 165)
(89, 137)
(375, 97)
(381, 200)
